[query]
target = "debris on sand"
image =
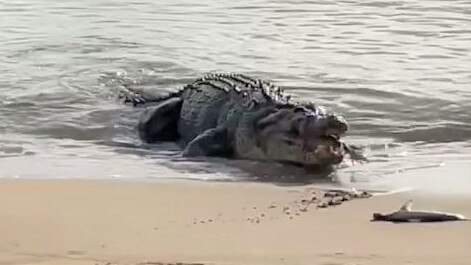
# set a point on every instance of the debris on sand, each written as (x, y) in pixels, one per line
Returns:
(309, 200)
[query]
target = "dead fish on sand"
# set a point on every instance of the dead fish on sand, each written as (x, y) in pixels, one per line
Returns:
(406, 214)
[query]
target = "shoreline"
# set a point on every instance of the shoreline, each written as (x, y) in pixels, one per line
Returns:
(113, 222)
(450, 178)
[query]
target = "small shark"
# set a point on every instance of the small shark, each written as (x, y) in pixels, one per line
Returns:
(406, 214)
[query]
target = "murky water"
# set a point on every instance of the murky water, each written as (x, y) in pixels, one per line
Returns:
(400, 71)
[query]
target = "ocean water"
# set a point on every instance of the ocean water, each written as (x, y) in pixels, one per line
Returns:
(399, 71)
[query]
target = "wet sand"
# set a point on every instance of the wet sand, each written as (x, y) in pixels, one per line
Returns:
(117, 222)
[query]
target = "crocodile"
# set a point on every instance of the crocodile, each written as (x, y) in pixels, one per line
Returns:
(235, 115)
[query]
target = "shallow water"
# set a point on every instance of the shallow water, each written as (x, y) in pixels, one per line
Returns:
(399, 71)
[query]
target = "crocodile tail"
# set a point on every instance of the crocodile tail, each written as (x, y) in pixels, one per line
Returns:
(138, 98)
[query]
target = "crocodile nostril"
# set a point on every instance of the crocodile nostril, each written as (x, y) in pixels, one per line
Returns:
(337, 123)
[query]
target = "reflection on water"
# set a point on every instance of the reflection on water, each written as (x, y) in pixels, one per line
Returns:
(398, 70)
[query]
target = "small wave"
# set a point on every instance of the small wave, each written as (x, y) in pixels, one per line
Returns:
(70, 131)
(434, 134)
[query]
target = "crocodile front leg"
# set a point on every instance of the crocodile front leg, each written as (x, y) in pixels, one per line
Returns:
(212, 142)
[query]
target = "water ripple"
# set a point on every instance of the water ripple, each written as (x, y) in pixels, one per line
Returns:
(398, 70)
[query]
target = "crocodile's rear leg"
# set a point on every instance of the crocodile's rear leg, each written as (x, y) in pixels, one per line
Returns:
(212, 142)
(160, 122)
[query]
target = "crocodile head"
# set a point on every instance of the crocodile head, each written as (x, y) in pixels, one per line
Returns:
(304, 135)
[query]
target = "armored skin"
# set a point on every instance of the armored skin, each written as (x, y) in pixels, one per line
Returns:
(234, 115)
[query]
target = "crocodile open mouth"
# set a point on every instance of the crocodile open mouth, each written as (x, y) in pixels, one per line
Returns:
(335, 146)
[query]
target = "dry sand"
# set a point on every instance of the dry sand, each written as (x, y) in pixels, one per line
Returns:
(116, 222)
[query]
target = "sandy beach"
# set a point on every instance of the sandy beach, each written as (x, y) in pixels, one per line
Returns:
(117, 222)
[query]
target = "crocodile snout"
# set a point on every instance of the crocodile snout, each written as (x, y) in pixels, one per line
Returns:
(335, 126)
